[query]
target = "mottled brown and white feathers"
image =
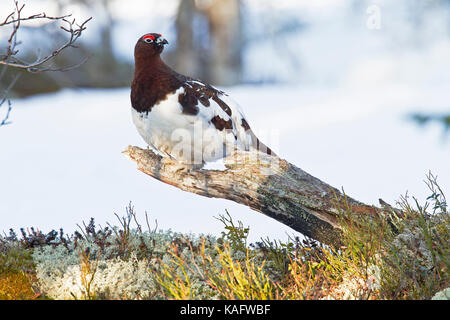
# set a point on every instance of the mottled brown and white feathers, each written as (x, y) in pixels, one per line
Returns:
(181, 117)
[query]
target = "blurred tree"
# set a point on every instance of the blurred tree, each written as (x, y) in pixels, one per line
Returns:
(209, 40)
(104, 69)
(102, 8)
(423, 119)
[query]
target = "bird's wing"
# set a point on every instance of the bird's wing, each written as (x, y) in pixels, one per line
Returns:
(221, 111)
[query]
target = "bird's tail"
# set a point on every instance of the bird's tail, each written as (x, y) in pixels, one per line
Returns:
(258, 145)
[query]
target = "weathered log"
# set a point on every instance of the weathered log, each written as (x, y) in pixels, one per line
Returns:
(264, 183)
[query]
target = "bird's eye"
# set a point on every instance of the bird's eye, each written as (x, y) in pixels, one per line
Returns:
(148, 38)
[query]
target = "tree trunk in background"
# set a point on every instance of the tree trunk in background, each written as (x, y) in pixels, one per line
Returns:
(186, 59)
(102, 8)
(209, 40)
(225, 41)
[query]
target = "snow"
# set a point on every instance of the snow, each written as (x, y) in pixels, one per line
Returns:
(61, 163)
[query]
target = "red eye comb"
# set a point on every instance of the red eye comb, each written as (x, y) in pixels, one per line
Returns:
(149, 37)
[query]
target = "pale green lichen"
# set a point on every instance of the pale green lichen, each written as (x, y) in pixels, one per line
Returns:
(114, 279)
(59, 271)
(442, 295)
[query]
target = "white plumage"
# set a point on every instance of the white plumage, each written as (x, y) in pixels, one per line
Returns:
(193, 138)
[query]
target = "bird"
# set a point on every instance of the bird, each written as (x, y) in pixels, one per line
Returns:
(182, 118)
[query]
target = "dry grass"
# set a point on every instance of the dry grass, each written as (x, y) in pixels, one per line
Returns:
(16, 286)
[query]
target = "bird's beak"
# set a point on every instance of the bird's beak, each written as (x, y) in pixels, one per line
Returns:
(161, 41)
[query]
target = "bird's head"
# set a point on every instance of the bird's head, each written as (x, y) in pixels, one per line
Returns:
(150, 44)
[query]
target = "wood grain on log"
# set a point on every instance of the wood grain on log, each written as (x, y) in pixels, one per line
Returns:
(264, 183)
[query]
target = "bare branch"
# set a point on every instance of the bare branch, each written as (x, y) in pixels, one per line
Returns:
(75, 31)
(283, 191)
(5, 119)
(10, 59)
(63, 69)
(32, 17)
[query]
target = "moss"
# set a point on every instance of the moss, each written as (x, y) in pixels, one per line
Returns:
(442, 295)
(16, 273)
(15, 259)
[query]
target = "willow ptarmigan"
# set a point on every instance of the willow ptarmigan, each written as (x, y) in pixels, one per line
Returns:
(182, 118)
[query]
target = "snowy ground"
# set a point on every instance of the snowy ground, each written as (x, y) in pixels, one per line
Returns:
(60, 160)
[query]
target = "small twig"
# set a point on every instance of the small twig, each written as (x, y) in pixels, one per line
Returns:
(4, 98)
(63, 69)
(33, 17)
(148, 224)
(5, 120)
(10, 51)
